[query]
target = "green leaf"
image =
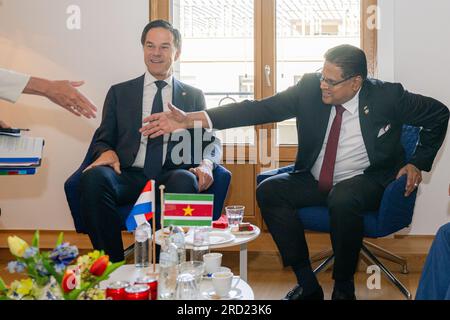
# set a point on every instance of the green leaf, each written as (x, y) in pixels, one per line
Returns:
(34, 274)
(2, 285)
(110, 269)
(60, 239)
(73, 295)
(52, 270)
(35, 242)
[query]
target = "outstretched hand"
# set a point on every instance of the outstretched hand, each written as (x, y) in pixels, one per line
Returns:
(66, 94)
(413, 178)
(158, 124)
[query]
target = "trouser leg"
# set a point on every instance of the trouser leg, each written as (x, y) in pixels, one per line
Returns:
(279, 198)
(102, 191)
(346, 202)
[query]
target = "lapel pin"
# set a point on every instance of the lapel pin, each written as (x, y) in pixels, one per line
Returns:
(366, 110)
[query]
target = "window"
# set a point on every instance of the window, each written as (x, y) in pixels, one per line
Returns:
(220, 37)
(218, 44)
(305, 30)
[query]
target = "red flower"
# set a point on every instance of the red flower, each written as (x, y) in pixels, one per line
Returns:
(69, 281)
(99, 266)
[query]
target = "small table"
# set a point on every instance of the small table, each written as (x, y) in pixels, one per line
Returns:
(130, 273)
(240, 239)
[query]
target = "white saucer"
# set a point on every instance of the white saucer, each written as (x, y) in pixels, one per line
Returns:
(234, 294)
(215, 237)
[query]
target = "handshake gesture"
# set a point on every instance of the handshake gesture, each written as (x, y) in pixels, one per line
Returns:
(166, 122)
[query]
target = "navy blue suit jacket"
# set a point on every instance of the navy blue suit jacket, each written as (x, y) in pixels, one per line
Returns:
(383, 110)
(122, 119)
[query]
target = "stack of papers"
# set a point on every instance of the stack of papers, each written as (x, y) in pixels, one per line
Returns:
(20, 155)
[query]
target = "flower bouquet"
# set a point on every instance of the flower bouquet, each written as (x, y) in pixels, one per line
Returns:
(56, 274)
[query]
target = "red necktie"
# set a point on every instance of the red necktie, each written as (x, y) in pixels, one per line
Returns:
(329, 159)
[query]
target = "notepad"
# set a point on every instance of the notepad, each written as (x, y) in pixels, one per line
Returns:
(20, 151)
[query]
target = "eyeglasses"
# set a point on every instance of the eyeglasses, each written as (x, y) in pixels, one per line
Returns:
(332, 83)
(329, 82)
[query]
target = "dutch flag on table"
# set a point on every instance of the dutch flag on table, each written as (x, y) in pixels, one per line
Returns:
(144, 207)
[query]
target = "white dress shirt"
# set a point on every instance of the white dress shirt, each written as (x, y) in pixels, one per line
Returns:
(351, 157)
(12, 84)
(150, 90)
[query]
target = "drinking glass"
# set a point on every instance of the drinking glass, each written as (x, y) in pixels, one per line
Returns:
(235, 214)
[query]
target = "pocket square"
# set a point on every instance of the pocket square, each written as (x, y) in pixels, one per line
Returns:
(383, 130)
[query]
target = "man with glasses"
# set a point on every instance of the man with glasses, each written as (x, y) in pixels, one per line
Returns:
(349, 130)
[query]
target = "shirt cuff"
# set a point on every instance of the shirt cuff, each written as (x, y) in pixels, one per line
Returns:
(209, 163)
(12, 85)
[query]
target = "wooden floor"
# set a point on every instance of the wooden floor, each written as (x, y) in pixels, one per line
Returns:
(270, 281)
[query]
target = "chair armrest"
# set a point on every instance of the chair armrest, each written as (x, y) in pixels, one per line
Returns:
(396, 210)
(267, 174)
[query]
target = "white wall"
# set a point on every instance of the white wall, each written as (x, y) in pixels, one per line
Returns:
(34, 39)
(414, 49)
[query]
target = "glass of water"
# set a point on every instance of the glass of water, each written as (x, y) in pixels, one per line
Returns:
(235, 214)
(186, 288)
(195, 268)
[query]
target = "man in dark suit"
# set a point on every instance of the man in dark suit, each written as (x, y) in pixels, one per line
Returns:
(349, 150)
(126, 160)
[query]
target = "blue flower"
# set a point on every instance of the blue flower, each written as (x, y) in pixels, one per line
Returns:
(60, 267)
(64, 254)
(15, 266)
(30, 252)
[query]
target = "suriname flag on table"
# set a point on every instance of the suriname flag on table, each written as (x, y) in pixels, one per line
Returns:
(188, 210)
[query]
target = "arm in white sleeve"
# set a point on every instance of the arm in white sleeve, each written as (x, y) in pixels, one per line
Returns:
(12, 84)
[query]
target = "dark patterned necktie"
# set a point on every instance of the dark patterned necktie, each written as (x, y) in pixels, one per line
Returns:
(154, 154)
(329, 159)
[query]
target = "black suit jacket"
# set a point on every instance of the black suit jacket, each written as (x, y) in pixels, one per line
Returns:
(382, 106)
(122, 119)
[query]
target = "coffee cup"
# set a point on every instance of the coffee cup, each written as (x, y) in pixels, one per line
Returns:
(212, 261)
(223, 282)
